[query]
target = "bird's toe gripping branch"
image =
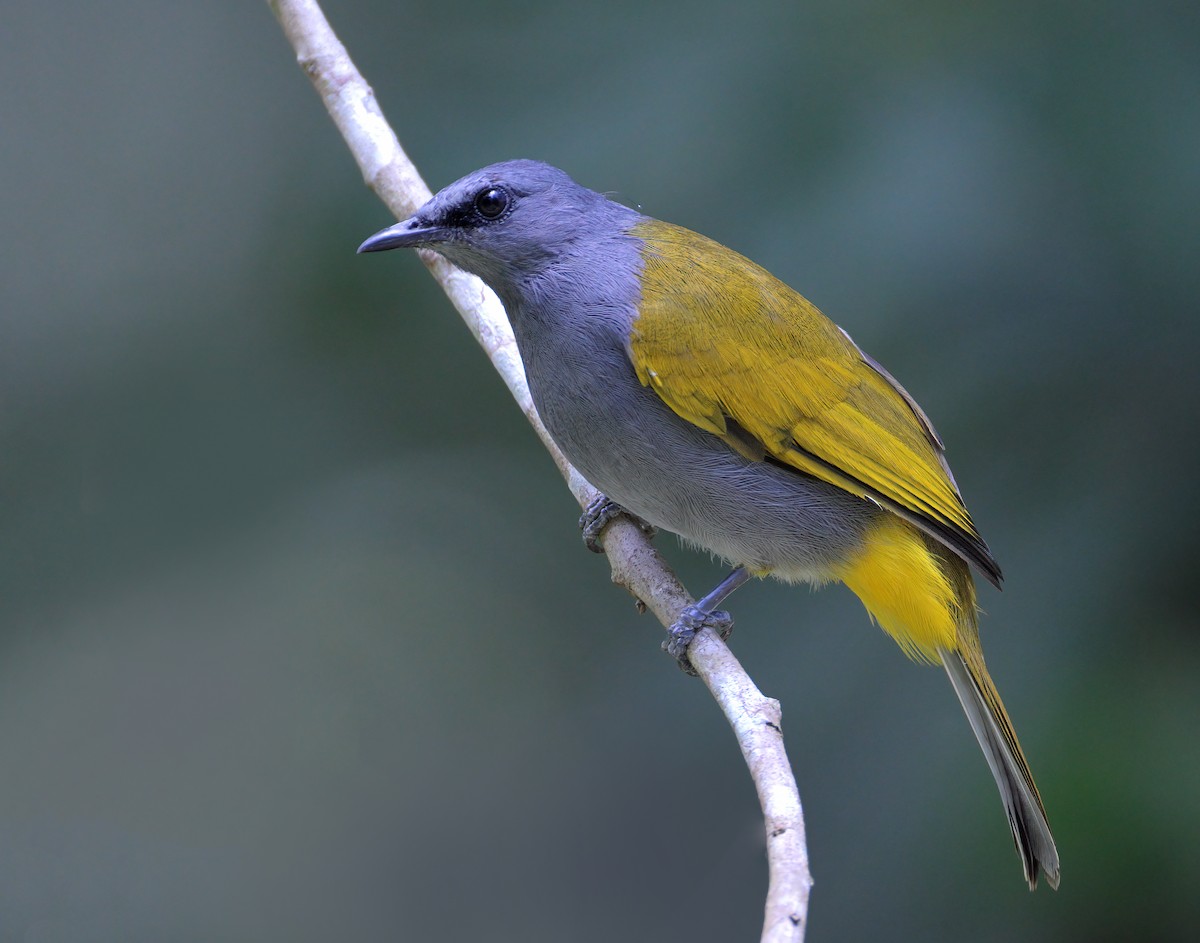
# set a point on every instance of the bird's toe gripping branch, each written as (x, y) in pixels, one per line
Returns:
(601, 512)
(693, 619)
(704, 615)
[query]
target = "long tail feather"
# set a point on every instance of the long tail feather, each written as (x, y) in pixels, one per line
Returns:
(993, 730)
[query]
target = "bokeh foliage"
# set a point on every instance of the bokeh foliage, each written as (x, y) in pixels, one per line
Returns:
(298, 641)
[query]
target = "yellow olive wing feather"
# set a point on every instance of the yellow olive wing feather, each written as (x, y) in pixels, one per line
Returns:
(785, 384)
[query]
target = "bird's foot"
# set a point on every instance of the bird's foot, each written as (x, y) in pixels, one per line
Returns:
(691, 620)
(601, 512)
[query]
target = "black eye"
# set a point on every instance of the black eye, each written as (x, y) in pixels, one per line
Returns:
(491, 202)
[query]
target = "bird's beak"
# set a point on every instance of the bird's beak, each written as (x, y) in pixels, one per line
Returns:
(411, 233)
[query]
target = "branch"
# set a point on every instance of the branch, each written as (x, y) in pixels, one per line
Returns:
(636, 565)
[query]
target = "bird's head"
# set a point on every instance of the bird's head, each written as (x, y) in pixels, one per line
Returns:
(505, 223)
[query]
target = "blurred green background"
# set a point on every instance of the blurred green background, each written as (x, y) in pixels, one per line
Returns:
(299, 641)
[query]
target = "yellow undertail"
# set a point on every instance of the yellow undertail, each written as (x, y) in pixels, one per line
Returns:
(923, 596)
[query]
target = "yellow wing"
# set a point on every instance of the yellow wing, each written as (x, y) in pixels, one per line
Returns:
(738, 353)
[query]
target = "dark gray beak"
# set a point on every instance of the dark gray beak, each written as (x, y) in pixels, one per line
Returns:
(411, 233)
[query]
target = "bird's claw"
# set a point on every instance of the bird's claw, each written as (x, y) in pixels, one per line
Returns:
(601, 512)
(684, 629)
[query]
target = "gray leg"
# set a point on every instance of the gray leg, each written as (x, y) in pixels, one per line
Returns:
(703, 615)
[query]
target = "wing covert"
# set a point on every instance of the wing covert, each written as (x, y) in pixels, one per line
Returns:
(786, 378)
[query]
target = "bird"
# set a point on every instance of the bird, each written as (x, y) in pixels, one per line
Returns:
(703, 396)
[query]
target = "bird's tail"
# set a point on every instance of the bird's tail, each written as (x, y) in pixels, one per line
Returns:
(994, 731)
(922, 595)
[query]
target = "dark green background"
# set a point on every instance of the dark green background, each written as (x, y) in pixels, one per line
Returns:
(299, 641)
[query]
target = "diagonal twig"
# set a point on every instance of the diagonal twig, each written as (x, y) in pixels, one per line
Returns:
(636, 565)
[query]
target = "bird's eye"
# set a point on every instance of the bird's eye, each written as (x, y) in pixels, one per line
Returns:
(491, 202)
